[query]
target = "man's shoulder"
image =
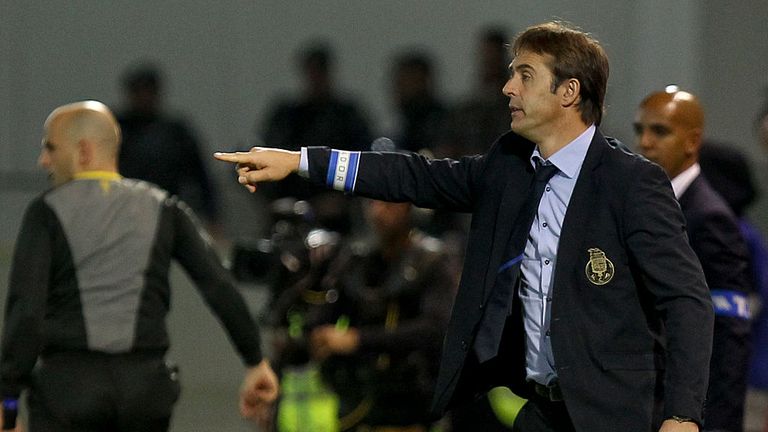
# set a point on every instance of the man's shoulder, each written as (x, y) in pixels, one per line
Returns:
(621, 159)
(619, 152)
(145, 188)
(38, 207)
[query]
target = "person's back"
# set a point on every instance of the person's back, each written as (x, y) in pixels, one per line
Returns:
(89, 290)
(117, 238)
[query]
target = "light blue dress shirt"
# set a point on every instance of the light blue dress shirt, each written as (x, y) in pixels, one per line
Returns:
(540, 256)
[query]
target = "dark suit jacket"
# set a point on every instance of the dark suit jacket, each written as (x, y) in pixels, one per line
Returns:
(619, 347)
(716, 238)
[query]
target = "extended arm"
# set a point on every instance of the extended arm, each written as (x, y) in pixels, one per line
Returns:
(195, 253)
(428, 183)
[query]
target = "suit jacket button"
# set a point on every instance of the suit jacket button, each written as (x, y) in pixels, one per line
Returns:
(464, 345)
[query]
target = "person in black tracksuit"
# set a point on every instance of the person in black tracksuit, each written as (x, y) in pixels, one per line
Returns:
(89, 291)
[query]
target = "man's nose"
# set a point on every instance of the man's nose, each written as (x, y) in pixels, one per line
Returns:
(509, 88)
(645, 140)
(43, 160)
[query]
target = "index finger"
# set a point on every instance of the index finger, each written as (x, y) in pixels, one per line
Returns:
(236, 157)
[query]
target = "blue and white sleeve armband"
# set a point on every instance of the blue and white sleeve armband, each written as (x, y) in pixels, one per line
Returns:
(342, 170)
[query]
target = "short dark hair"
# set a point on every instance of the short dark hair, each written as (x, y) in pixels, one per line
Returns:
(575, 54)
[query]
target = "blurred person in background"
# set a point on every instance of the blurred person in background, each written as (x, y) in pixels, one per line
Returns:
(481, 117)
(319, 114)
(380, 345)
(760, 372)
(162, 148)
(84, 331)
(420, 111)
(669, 127)
(358, 337)
(730, 174)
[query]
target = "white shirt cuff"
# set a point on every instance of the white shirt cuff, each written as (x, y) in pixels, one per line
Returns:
(304, 163)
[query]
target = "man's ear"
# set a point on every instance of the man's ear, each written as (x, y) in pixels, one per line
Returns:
(571, 89)
(693, 143)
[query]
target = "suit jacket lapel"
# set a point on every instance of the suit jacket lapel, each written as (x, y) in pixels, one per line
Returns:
(690, 193)
(583, 200)
(515, 190)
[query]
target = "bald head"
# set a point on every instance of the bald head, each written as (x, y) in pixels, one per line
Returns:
(681, 107)
(81, 136)
(87, 120)
(669, 127)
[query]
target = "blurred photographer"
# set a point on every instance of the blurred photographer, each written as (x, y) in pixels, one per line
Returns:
(381, 342)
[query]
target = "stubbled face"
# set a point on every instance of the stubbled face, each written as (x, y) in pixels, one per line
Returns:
(661, 139)
(534, 108)
(57, 156)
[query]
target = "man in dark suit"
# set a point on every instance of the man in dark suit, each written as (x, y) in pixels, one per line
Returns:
(606, 320)
(669, 127)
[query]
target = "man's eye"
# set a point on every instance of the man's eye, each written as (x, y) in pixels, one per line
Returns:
(660, 131)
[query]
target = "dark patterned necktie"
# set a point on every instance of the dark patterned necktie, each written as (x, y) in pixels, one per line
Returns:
(492, 324)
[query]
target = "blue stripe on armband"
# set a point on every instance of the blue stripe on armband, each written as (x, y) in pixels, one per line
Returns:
(342, 170)
(10, 404)
(332, 168)
(730, 303)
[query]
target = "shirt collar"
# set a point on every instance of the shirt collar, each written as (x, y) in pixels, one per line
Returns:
(97, 175)
(681, 182)
(569, 158)
(105, 178)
